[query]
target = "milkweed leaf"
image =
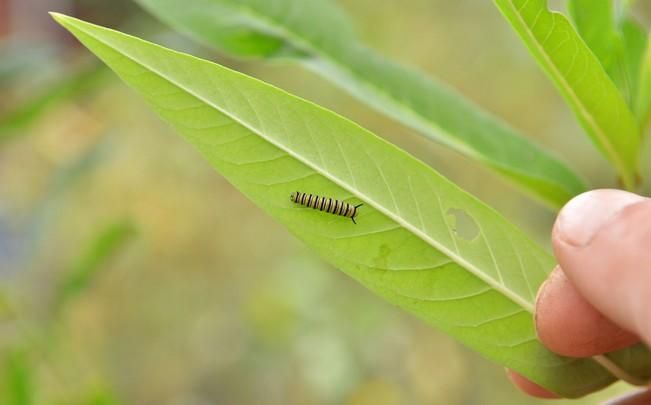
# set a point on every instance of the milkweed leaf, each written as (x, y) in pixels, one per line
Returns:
(615, 38)
(577, 73)
(477, 286)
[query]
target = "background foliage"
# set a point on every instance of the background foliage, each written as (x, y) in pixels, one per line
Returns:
(209, 298)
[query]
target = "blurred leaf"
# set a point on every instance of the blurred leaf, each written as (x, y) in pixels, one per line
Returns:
(421, 242)
(93, 259)
(643, 105)
(261, 29)
(18, 379)
(578, 74)
(318, 35)
(75, 84)
(632, 44)
(615, 38)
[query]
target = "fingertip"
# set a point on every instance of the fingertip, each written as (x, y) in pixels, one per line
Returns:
(601, 240)
(568, 325)
(584, 216)
(529, 387)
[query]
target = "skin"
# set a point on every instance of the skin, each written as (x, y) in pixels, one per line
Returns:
(598, 298)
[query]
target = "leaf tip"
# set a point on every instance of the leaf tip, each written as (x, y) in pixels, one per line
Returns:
(58, 17)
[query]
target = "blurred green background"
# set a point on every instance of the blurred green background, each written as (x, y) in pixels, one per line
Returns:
(133, 273)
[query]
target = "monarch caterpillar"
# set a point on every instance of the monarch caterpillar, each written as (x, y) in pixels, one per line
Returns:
(328, 205)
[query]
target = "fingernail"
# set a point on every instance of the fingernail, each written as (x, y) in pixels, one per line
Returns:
(582, 218)
(535, 312)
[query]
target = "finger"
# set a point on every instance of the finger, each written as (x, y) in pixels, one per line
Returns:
(602, 239)
(568, 325)
(529, 387)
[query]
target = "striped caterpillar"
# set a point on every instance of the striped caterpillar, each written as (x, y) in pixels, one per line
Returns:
(328, 205)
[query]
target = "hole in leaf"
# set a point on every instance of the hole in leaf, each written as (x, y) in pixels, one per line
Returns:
(463, 225)
(557, 5)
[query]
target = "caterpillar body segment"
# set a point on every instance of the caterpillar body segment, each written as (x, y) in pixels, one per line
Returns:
(329, 205)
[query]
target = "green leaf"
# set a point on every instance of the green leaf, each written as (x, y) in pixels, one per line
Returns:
(579, 76)
(93, 259)
(420, 242)
(316, 34)
(595, 21)
(615, 38)
(643, 105)
(626, 71)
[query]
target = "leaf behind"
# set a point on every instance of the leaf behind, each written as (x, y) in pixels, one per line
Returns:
(581, 79)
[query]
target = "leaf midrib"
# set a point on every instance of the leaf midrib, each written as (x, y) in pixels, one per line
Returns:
(570, 91)
(522, 302)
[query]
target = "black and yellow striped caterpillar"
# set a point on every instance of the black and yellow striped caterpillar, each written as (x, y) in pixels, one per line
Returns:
(328, 205)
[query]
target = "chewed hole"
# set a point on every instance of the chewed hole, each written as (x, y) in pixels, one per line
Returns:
(557, 5)
(463, 225)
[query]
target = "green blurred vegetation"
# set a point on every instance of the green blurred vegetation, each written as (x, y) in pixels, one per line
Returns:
(197, 297)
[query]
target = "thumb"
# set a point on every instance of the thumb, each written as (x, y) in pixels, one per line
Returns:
(602, 240)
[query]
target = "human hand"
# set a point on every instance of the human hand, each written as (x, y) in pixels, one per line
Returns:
(599, 297)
